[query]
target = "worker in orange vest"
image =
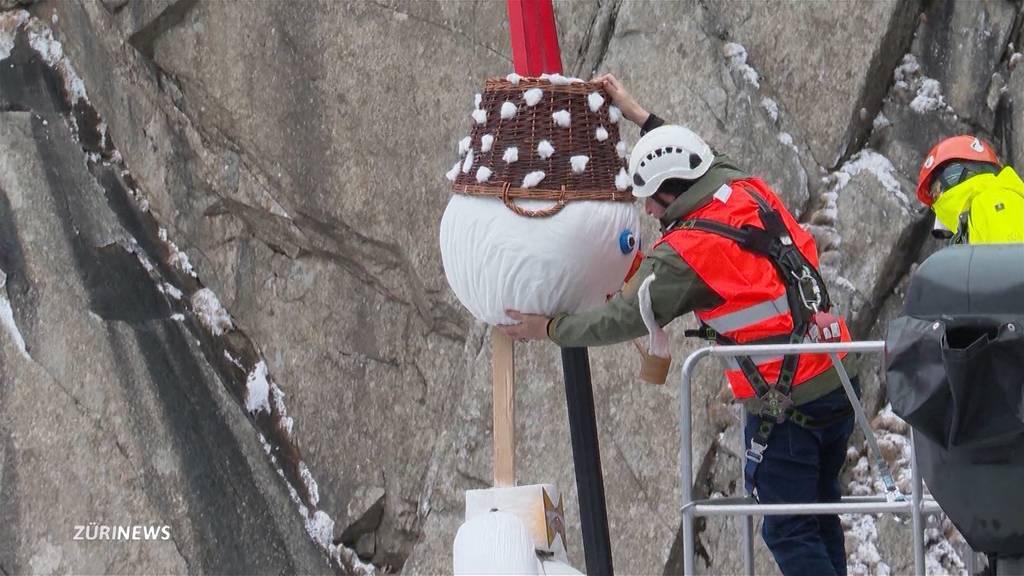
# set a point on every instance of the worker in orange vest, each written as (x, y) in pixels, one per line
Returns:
(732, 254)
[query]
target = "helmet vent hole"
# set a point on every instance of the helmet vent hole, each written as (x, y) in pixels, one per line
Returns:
(694, 161)
(658, 153)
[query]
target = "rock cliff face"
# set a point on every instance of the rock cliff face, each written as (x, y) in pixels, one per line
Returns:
(222, 298)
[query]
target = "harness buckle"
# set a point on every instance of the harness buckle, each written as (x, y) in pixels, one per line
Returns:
(756, 451)
(775, 405)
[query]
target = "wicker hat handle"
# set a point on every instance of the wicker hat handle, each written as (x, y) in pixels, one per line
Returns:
(543, 213)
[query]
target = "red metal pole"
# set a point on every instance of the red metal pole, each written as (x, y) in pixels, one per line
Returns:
(534, 36)
(534, 52)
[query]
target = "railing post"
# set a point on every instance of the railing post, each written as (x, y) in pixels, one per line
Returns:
(748, 520)
(686, 459)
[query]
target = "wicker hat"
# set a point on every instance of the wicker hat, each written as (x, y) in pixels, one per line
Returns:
(548, 138)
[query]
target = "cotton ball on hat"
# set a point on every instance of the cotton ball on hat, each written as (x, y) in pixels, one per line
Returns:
(595, 101)
(579, 163)
(467, 163)
(454, 172)
(562, 118)
(464, 145)
(545, 149)
(508, 110)
(532, 179)
(511, 155)
(483, 174)
(621, 149)
(601, 134)
(622, 180)
(480, 116)
(614, 114)
(486, 141)
(514, 78)
(532, 96)
(556, 79)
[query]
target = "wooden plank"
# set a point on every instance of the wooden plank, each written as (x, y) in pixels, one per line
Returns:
(503, 377)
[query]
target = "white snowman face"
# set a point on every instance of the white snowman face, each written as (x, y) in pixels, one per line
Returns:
(496, 260)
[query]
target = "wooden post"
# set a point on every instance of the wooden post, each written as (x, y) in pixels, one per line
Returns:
(503, 377)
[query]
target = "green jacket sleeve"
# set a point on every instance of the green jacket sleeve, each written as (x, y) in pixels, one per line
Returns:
(675, 291)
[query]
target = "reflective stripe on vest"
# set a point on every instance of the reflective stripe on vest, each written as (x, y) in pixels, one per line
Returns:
(749, 316)
(732, 364)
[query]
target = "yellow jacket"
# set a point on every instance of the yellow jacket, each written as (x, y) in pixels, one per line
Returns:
(984, 209)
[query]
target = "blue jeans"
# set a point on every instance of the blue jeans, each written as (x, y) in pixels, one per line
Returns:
(803, 465)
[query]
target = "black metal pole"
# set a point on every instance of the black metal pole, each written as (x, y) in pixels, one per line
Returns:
(586, 457)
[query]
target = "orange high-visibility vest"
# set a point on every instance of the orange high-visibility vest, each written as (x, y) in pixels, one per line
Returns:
(755, 306)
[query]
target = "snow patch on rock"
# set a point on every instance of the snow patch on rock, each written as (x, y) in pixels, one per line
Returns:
(171, 290)
(207, 307)
(736, 58)
(257, 389)
(771, 107)
(929, 97)
(927, 91)
(941, 540)
(862, 557)
(9, 24)
(41, 39)
(311, 485)
(7, 319)
(882, 169)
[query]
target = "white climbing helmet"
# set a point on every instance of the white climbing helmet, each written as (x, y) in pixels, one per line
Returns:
(668, 151)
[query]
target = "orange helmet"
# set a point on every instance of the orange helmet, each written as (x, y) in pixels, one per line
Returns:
(955, 148)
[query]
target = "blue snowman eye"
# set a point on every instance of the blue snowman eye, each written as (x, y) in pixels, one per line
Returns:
(627, 241)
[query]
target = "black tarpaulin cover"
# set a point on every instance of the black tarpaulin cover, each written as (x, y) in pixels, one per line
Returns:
(955, 373)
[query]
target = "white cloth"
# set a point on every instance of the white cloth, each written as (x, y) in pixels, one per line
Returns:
(496, 260)
(658, 343)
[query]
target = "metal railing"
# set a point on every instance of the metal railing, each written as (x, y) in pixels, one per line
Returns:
(917, 506)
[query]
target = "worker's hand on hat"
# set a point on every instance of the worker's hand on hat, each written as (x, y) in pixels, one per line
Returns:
(623, 99)
(530, 326)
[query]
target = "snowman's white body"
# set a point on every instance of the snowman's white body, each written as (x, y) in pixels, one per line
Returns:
(496, 260)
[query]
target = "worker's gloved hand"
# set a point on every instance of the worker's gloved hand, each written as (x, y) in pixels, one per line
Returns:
(623, 99)
(530, 326)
